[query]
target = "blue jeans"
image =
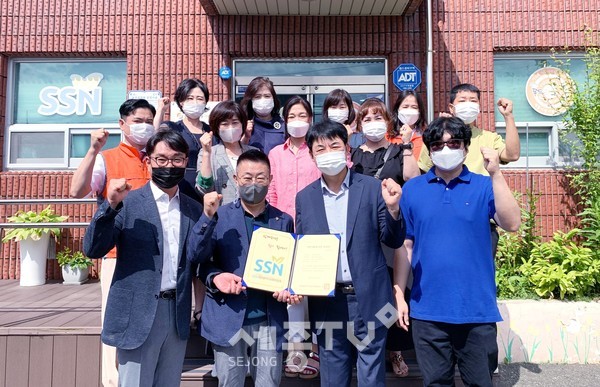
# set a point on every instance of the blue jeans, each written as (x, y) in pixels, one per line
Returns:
(264, 363)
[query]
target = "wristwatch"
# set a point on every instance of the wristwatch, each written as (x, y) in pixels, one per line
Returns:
(407, 146)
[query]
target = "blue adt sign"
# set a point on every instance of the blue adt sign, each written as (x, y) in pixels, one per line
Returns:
(225, 72)
(407, 76)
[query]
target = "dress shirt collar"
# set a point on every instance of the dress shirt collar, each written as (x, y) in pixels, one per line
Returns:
(345, 185)
(159, 194)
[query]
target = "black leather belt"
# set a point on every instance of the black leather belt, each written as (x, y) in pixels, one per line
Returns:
(347, 288)
(167, 294)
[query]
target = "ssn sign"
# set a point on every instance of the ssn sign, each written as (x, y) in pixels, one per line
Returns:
(84, 94)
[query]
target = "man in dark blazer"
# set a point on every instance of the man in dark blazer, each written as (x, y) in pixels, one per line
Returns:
(230, 308)
(351, 326)
(149, 303)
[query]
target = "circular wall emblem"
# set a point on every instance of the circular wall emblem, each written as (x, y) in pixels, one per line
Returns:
(549, 91)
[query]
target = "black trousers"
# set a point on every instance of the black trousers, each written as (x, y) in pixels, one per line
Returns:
(441, 346)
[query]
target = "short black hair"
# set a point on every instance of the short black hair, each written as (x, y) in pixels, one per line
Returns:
(131, 105)
(463, 87)
(326, 130)
(171, 138)
(455, 127)
(224, 111)
(256, 156)
(335, 97)
(185, 88)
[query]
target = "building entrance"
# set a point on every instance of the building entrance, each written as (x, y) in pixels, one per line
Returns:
(314, 79)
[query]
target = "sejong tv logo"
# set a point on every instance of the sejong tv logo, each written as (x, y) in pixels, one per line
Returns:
(84, 94)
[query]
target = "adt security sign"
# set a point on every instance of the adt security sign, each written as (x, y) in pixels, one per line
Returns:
(407, 76)
(225, 72)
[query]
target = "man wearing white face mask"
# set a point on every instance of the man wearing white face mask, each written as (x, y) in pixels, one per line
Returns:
(92, 177)
(465, 104)
(365, 212)
(453, 310)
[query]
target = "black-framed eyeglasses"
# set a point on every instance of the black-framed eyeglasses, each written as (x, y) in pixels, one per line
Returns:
(453, 143)
(175, 161)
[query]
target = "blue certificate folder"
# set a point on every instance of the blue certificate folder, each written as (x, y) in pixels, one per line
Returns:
(302, 264)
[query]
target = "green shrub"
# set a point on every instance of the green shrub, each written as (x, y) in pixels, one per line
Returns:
(562, 267)
(514, 249)
(74, 259)
(47, 215)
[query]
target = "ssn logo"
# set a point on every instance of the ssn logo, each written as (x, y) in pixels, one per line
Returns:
(85, 93)
(269, 267)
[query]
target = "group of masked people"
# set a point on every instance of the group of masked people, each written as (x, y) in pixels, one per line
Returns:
(415, 205)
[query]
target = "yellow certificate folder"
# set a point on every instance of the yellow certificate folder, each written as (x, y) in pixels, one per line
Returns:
(303, 264)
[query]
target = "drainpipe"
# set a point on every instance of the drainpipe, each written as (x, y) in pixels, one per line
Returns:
(429, 75)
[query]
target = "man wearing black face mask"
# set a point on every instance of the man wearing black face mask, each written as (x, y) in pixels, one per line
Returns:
(149, 303)
(229, 307)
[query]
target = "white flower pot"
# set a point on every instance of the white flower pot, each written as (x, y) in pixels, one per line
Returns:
(74, 276)
(34, 254)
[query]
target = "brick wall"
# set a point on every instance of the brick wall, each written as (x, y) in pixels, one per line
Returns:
(166, 41)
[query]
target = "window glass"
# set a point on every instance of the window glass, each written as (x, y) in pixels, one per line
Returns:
(538, 143)
(37, 147)
(80, 143)
(510, 80)
(68, 92)
(309, 68)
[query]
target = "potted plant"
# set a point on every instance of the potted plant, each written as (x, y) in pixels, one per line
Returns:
(33, 243)
(75, 266)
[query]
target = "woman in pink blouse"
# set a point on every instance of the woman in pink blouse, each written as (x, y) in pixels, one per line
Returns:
(293, 169)
(292, 166)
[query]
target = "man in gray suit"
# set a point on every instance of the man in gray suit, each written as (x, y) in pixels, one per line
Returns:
(149, 303)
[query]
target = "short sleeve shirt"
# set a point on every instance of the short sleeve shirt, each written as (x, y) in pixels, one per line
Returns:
(452, 263)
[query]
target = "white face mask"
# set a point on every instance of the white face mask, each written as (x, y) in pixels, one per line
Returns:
(139, 134)
(331, 163)
(466, 111)
(297, 128)
(408, 116)
(337, 115)
(193, 110)
(263, 106)
(230, 135)
(374, 130)
(448, 159)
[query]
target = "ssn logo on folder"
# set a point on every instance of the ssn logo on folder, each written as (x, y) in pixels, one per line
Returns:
(302, 264)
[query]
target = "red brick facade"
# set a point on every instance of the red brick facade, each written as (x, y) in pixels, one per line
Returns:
(166, 41)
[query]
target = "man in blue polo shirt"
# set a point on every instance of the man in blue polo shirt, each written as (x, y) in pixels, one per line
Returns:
(453, 306)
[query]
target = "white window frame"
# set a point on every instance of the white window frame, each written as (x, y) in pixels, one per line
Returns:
(67, 162)
(551, 161)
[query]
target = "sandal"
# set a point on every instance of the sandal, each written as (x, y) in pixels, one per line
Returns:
(398, 365)
(311, 369)
(293, 364)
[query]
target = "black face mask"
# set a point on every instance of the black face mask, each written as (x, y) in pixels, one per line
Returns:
(167, 177)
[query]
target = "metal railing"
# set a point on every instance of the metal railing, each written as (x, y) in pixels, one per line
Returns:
(7, 202)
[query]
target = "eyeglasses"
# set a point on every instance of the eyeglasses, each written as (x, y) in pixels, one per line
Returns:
(454, 143)
(260, 179)
(175, 161)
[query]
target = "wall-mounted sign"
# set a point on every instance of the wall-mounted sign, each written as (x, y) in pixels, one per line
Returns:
(68, 92)
(407, 76)
(83, 95)
(549, 91)
(151, 96)
(225, 72)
